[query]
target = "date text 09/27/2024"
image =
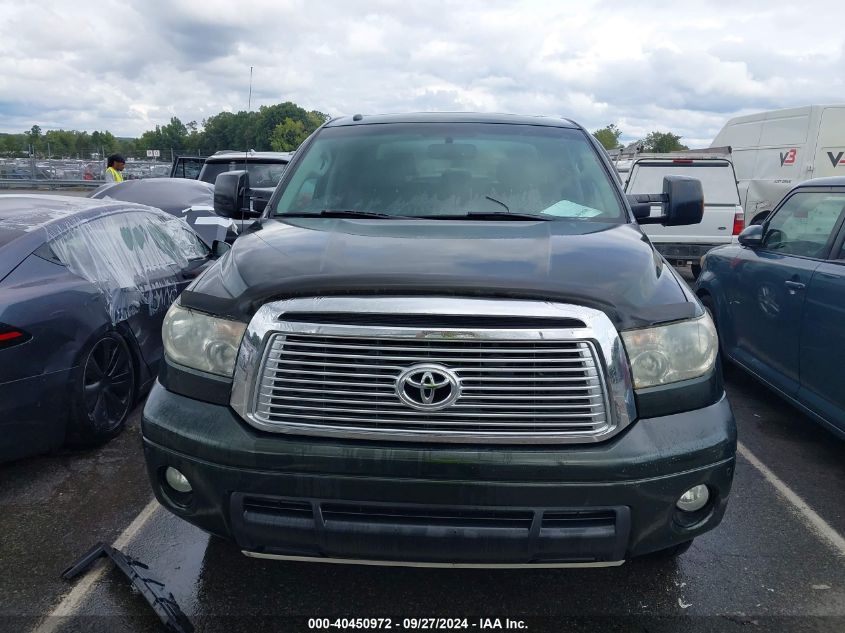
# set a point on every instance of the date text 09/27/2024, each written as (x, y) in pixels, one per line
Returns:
(432, 624)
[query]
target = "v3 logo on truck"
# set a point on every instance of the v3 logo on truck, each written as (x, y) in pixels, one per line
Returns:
(788, 157)
(836, 159)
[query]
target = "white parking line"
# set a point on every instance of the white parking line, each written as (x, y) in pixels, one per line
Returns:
(815, 522)
(70, 603)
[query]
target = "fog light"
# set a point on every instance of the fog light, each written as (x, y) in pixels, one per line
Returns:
(694, 499)
(177, 480)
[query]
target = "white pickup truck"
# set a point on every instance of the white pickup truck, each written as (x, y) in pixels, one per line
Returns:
(723, 216)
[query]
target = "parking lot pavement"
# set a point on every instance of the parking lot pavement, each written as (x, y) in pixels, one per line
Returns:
(771, 565)
(53, 508)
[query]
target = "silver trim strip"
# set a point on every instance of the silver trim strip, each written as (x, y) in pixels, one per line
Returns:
(392, 563)
(614, 373)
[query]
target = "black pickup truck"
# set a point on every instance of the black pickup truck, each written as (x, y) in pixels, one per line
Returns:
(446, 341)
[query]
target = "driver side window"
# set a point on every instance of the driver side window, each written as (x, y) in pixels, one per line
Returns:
(804, 224)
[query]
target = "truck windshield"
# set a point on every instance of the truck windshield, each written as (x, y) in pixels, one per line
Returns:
(448, 169)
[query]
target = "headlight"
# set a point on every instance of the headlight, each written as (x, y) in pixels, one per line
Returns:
(200, 341)
(669, 353)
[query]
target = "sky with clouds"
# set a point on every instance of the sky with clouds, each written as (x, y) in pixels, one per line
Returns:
(126, 65)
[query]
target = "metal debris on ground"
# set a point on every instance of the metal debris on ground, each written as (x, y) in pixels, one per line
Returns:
(163, 603)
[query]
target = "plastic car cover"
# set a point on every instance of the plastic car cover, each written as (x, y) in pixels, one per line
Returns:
(134, 258)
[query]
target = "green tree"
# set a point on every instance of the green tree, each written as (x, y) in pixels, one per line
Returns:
(288, 135)
(235, 131)
(59, 142)
(34, 137)
(103, 142)
(662, 142)
(270, 117)
(195, 139)
(174, 134)
(14, 145)
(83, 145)
(609, 136)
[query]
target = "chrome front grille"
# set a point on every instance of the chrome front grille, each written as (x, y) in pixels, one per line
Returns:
(507, 387)
(517, 382)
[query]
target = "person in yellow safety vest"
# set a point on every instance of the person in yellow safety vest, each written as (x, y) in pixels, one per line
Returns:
(116, 163)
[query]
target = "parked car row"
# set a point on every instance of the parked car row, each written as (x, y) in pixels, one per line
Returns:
(422, 301)
(752, 163)
(76, 169)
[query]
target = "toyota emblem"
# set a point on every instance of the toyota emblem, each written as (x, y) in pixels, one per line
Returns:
(428, 387)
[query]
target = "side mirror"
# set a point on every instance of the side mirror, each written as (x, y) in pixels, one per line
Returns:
(219, 248)
(682, 200)
(231, 194)
(686, 200)
(751, 236)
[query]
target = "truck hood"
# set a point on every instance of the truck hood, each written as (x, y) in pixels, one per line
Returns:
(610, 267)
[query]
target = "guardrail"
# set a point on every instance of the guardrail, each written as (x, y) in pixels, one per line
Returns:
(42, 183)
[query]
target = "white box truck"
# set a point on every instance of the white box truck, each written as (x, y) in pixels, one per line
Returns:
(773, 151)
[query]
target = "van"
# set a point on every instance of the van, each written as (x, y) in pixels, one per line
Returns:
(773, 151)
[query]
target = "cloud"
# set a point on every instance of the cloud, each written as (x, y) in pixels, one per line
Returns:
(127, 66)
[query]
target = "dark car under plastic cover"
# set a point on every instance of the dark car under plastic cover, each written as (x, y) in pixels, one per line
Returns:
(191, 200)
(566, 261)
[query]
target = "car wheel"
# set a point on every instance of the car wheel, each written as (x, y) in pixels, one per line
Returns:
(672, 552)
(104, 391)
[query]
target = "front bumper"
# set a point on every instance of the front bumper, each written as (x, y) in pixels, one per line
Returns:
(366, 501)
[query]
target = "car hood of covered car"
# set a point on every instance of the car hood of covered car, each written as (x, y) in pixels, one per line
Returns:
(610, 267)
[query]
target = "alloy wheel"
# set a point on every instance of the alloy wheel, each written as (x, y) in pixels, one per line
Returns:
(107, 384)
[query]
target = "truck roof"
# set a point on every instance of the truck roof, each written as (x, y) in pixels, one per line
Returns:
(451, 117)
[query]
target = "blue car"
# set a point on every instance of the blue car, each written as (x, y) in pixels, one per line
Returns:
(778, 299)
(84, 286)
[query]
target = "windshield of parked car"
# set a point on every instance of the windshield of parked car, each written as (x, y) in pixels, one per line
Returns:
(260, 174)
(718, 181)
(452, 169)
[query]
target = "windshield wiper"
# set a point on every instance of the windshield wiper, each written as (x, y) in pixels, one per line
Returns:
(340, 213)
